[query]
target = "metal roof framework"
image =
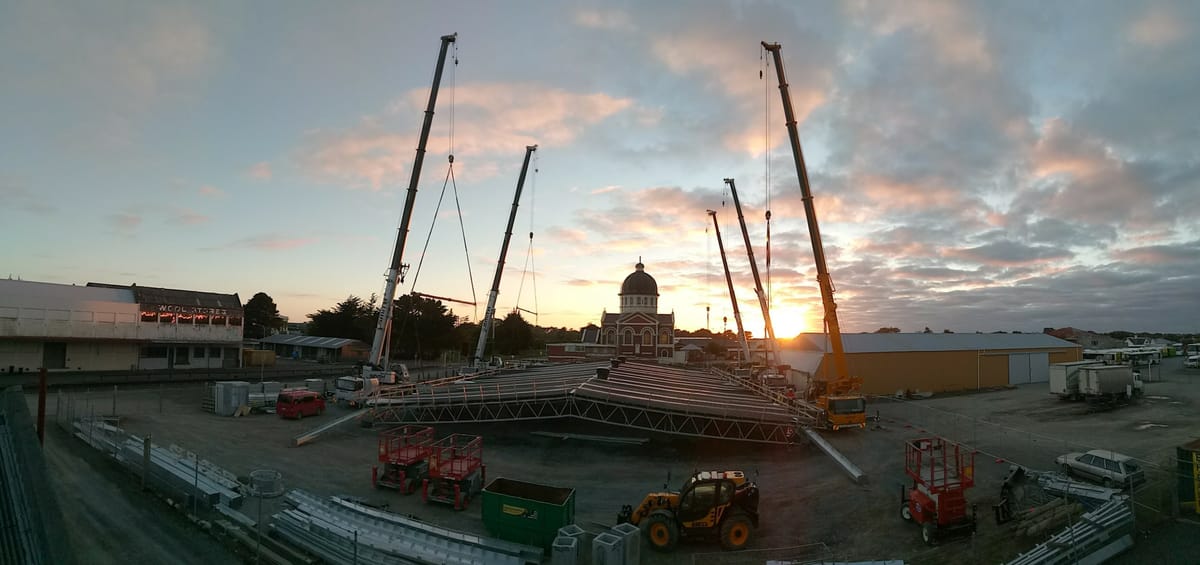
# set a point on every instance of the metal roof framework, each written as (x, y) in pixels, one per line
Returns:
(310, 341)
(923, 342)
(634, 395)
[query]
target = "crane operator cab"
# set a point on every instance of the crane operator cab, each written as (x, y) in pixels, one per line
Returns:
(846, 412)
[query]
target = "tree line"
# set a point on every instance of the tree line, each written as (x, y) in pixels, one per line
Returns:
(424, 328)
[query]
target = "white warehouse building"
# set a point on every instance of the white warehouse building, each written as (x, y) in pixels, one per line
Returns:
(116, 327)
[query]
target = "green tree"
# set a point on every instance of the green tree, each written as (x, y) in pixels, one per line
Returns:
(887, 330)
(513, 335)
(352, 318)
(422, 328)
(261, 316)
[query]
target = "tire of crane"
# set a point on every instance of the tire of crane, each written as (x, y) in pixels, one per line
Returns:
(905, 512)
(929, 533)
(735, 532)
(661, 530)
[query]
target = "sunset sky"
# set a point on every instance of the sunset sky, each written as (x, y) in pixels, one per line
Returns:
(976, 165)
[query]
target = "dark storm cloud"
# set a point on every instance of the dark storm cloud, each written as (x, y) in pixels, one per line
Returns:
(1007, 253)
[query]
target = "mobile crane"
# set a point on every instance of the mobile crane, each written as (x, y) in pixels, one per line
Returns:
(758, 288)
(840, 398)
(376, 370)
(490, 312)
(737, 314)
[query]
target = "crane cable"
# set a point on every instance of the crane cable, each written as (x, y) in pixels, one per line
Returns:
(453, 184)
(530, 267)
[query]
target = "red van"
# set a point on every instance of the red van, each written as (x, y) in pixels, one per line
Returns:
(299, 403)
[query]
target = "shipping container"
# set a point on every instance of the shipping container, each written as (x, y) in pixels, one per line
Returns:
(526, 512)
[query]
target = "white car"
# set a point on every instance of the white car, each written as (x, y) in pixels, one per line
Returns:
(1192, 362)
(1103, 466)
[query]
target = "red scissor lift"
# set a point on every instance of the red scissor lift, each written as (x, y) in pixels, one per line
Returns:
(404, 453)
(456, 470)
(941, 471)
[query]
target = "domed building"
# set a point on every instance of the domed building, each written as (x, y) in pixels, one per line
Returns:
(638, 330)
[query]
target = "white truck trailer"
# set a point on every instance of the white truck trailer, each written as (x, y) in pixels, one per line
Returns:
(1108, 382)
(1064, 379)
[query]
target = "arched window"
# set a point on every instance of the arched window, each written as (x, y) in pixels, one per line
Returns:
(610, 337)
(664, 353)
(664, 338)
(648, 337)
(628, 336)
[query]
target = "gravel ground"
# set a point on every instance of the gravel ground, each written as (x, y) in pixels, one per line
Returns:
(806, 498)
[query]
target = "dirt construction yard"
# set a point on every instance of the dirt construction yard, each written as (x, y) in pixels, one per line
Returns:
(810, 509)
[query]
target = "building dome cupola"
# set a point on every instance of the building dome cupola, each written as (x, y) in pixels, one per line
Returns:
(639, 291)
(639, 282)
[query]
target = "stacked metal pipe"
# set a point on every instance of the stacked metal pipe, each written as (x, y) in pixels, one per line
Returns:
(1097, 535)
(341, 531)
(171, 471)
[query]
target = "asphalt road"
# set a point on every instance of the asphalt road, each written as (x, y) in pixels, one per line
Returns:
(110, 520)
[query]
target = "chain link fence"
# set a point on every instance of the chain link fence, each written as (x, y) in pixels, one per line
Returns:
(1154, 501)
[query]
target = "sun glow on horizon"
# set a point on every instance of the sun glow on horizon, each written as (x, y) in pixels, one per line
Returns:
(792, 321)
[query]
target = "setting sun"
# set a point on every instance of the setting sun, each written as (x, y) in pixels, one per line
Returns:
(793, 320)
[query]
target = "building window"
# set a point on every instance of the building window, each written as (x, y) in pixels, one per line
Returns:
(153, 353)
(185, 319)
(198, 352)
(218, 320)
(628, 336)
(201, 319)
(235, 321)
(664, 338)
(181, 356)
(214, 352)
(148, 316)
(166, 318)
(647, 337)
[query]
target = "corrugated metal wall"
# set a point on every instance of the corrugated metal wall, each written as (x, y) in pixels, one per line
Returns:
(943, 371)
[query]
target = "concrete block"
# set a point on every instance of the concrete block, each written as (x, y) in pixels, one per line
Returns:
(564, 551)
(608, 549)
(632, 538)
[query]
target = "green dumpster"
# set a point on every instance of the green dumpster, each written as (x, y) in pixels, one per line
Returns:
(527, 513)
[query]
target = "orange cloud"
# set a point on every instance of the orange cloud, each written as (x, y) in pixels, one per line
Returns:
(612, 20)
(493, 122)
(951, 27)
(1157, 27)
(261, 171)
(728, 63)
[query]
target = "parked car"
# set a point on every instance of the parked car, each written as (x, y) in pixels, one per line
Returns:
(299, 403)
(1106, 467)
(1192, 362)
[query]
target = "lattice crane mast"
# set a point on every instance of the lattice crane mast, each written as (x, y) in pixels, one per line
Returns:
(378, 361)
(840, 397)
(758, 287)
(486, 324)
(737, 314)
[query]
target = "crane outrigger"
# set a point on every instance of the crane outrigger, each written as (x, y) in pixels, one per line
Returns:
(840, 398)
